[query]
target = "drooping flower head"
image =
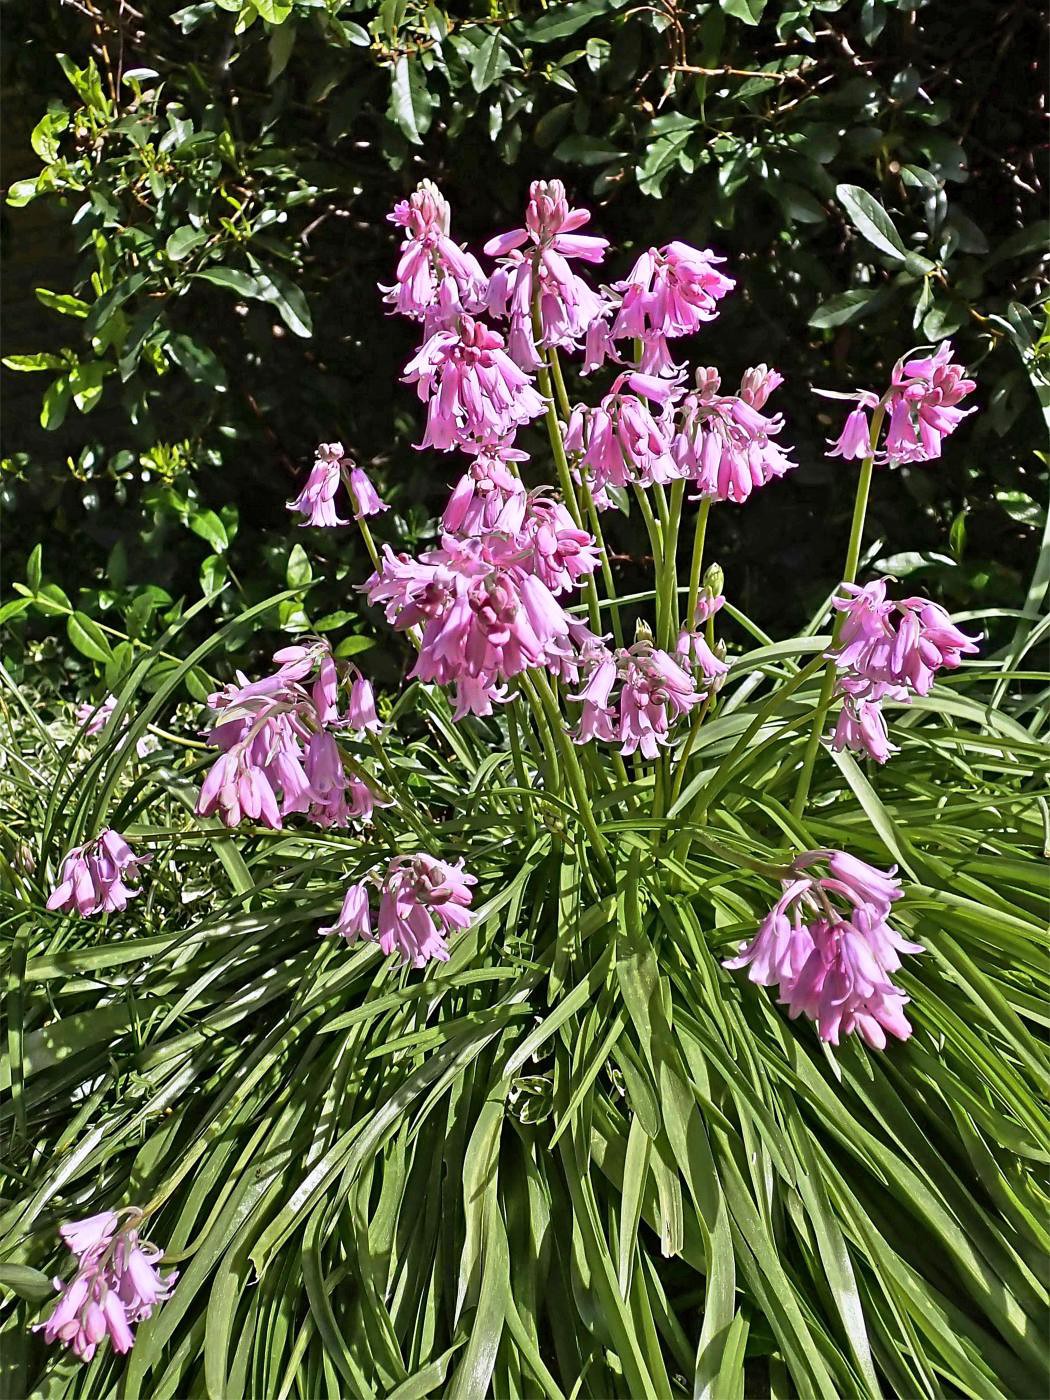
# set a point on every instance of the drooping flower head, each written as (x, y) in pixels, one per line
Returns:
(896, 644)
(116, 1285)
(633, 697)
(827, 946)
(278, 756)
(861, 725)
(92, 877)
(332, 468)
(923, 406)
(422, 901)
(724, 442)
(485, 617)
(489, 496)
(431, 264)
(622, 441)
(670, 292)
(551, 545)
(536, 264)
(475, 394)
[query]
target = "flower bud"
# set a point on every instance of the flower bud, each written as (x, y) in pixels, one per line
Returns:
(714, 580)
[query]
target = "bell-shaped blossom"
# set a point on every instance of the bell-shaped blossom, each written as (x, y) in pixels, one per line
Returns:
(422, 900)
(854, 441)
(552, 546)
(489, 496)
(92, 877)
(361, 706)
(474, 392)
(827, 946)
(96, 717)
(901, 644)
(278, 756)
(693, 649)
(355, 919)
(365, 497)
(725, 444)
(116, 1285)
(922, 404)
(316, 501)
(861, 728)
(669, 292)
(431, 264)
(633, 697)
(542, 276)
(622, 441)
(485, 617)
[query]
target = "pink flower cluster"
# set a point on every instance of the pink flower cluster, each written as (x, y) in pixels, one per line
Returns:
(435, 276)
(116, 1284)
(828, 948)
(669, 292)
(422, 901)
(724, 443)
(332, 468)
(279, 754)
(94, 719)
(485, 614)
(92, 877)
(923, 404)
(621, 441)
(652, 691)
(543, 277)
(888, 651)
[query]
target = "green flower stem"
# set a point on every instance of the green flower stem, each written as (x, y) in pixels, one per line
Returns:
(655, 539)
(552, 775)
(593, 514)
(849, 575)
(519, 768)
(561, 463)
(572, 769)
(594, 517)
(560, 390)
(696, 564)
(705, 799)
(669, 580)
(366, 534)
(687, 749)
(406, 806)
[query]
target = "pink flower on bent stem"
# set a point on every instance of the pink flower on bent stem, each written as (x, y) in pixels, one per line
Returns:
(654, 691)
(92, 877)
(898, 644)
(485, 617)
(316, 501)
(475, 394)
(431, 265)
(422, 901)
(923, 406)
(725, 444)
(670, 292)
(116, 1285)
(488, 496)
(826, 944)
(622, 441)
(277, 756)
